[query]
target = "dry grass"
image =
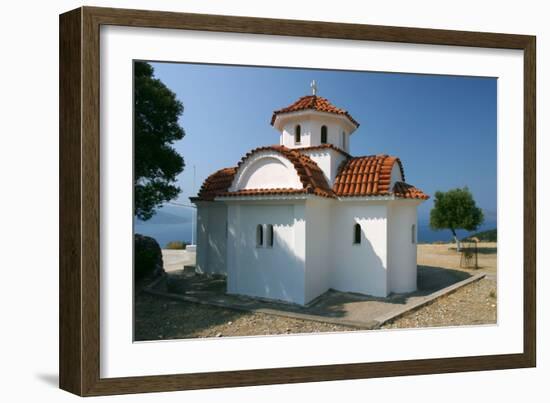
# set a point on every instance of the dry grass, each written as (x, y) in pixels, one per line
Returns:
(445, 255)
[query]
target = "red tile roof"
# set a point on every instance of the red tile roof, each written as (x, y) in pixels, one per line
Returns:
(365, 176)
(316, 103)
(215, 184)
(358, 176)
(311, 177)
(405, 191)
(265, 192)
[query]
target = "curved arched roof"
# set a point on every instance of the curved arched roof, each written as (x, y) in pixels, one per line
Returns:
(311, 177)
(216, 183)
(357, 177)
(366, 176)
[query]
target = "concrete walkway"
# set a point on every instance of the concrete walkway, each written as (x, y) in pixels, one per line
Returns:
(176, 259)
(336, 307)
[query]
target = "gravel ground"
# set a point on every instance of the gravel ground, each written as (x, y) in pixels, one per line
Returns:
(161, 318)
(471, 305)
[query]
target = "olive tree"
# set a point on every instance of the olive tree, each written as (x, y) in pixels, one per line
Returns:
(454, 210)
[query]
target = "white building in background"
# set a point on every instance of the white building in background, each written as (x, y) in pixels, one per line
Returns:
(293, 220)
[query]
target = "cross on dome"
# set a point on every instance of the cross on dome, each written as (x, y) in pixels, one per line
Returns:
(313, 86)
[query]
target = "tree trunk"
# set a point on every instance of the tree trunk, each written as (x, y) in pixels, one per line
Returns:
(458, 245)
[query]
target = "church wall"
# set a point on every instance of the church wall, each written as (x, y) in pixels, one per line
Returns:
(266, 170)
(359, 267)
(402, 250)
(211, 238)
(311, 131)
(202, 237)
(318, 257)
(328, 160)
(275, 272)
(305, 137)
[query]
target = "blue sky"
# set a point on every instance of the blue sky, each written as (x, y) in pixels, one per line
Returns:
(443, 128)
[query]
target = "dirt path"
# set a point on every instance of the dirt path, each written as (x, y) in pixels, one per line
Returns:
(472, 305)
(161, 318)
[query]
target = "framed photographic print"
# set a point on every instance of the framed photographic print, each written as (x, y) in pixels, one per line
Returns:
(249, 201)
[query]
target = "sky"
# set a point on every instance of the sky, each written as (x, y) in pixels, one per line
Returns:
(443, 128)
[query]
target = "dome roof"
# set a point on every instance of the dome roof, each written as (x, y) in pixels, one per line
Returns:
(315, 103)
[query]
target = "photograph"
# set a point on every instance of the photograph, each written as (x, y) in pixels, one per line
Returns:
(277, 201)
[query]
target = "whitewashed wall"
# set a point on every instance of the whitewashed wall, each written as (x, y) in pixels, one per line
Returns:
(277, 272)
(311, 123)
(266, 170)
(211, 238)
(359, 267)
(328, 160)
(202, 237)
(318, 244)
(313, 248)
(402, 266)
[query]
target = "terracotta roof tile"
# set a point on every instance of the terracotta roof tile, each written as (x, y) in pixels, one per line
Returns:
(264, 192)
(406, 191)
(371, 176)
(358, 176)
(218, 182)
(365, 176)
(312, 178)
(316, 103)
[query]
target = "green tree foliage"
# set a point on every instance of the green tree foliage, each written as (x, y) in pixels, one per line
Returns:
(453, 210)
(156, 162)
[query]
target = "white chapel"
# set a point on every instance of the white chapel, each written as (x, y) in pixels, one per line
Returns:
(293, 220)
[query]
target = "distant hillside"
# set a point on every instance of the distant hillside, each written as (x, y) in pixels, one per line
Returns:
(168, 215)
(486, 236)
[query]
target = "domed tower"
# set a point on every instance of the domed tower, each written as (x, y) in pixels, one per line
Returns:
(318, 128)
(313, 121)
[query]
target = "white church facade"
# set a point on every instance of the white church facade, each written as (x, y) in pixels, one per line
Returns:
(293, 220)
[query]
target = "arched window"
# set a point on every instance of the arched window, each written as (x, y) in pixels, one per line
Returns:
(356, 234)
(297, 134)
(323, 134)
(413, 233)
(269, 235)
(259, 235)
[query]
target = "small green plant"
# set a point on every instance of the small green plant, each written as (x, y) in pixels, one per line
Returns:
(493, 294)
(176, 245)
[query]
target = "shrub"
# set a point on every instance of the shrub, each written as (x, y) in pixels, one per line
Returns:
(147, 257)
(176, 245)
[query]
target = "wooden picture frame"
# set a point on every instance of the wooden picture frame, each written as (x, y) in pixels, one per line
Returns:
(80, 200)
